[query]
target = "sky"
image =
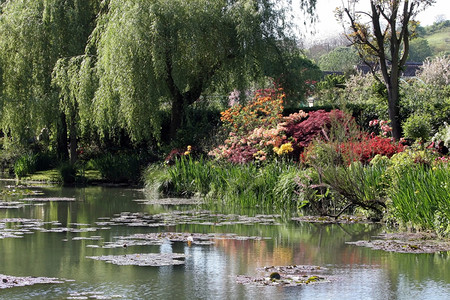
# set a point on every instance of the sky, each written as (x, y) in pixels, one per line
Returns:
(327, 26)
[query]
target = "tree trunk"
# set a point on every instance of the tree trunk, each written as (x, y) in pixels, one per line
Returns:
(61, 139)
(393, 89)
(73, 139)
(176, 117)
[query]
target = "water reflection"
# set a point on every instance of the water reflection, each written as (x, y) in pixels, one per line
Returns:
(209, 271)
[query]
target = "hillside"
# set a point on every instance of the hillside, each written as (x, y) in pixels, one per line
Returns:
(437, 36)
(439, 41)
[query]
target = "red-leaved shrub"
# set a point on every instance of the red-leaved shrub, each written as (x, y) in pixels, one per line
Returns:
(367, 147)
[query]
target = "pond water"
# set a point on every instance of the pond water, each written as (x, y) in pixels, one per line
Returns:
(209, 271)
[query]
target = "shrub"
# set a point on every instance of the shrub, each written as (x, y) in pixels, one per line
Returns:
(443, 135)
(368, 147)
(68, 172)
(265, 110)
(436, 71)
(417, 127)
(26, 164)
(119, 167)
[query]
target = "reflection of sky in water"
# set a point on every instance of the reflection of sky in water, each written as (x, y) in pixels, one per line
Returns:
(210, 271)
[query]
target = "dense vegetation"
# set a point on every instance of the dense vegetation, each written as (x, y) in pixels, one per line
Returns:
(217, 90)
(87, 78)
(328, 162)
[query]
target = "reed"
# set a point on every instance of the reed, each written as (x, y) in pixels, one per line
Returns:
(271, 184)
(421, 194)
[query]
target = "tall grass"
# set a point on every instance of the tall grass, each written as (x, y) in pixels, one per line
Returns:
(421, 195)
(266, 185)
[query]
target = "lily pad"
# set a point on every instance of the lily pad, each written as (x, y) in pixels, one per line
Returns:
(20, 191)
(11, 204)
(170, 201)
(144, 259)
(406, 243)
(51, 199)
(146, 239)
(344, 219)
(198, 217)
(13, 281)
(284, 276)
(19, 228)
(92, 295)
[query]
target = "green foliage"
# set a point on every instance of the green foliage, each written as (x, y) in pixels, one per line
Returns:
(33, 35)
(417, 127)
(68, 172)
(26, 164)
(161, 55)
(420, 197)
(419, 50)
(119, 167)
(268, 185)
(343, 59)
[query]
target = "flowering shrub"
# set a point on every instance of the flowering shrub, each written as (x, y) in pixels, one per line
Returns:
(436, 71)
(178, 153)
(365, 149)
(263, 111)
(259, 143)
(381, 125)
(283, 149)
(288, 137)
(317, 125)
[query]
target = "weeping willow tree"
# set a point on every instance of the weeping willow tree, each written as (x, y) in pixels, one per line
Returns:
(113, 65)
(76, 83)
(34, 34)
(162, 55)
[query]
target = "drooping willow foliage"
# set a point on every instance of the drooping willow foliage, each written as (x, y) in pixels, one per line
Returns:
(33, 36)
(116, 66)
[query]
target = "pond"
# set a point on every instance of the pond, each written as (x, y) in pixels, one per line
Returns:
(67, 240)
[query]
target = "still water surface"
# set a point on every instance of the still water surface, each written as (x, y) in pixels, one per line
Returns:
(210, 271)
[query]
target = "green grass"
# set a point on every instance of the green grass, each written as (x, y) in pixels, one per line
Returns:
(53, 175)
(440, 41)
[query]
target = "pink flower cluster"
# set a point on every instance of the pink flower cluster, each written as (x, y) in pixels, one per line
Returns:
(384, 126)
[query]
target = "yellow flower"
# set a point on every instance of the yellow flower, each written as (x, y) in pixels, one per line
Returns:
(187, 153)
(189, 148)
(284, 149)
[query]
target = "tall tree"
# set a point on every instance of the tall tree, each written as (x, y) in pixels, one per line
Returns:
(162, 55)
(382, 36)
(33, 36)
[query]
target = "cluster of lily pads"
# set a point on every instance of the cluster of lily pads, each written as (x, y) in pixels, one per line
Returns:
(285, 276)
(7, 281)
(198, 217)
(406, 243)
(159, 238)
(17, 227)
(91, 295)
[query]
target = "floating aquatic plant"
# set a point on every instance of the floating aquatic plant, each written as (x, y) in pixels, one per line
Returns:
(284, 276)
(13, 281)
(143, 259)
